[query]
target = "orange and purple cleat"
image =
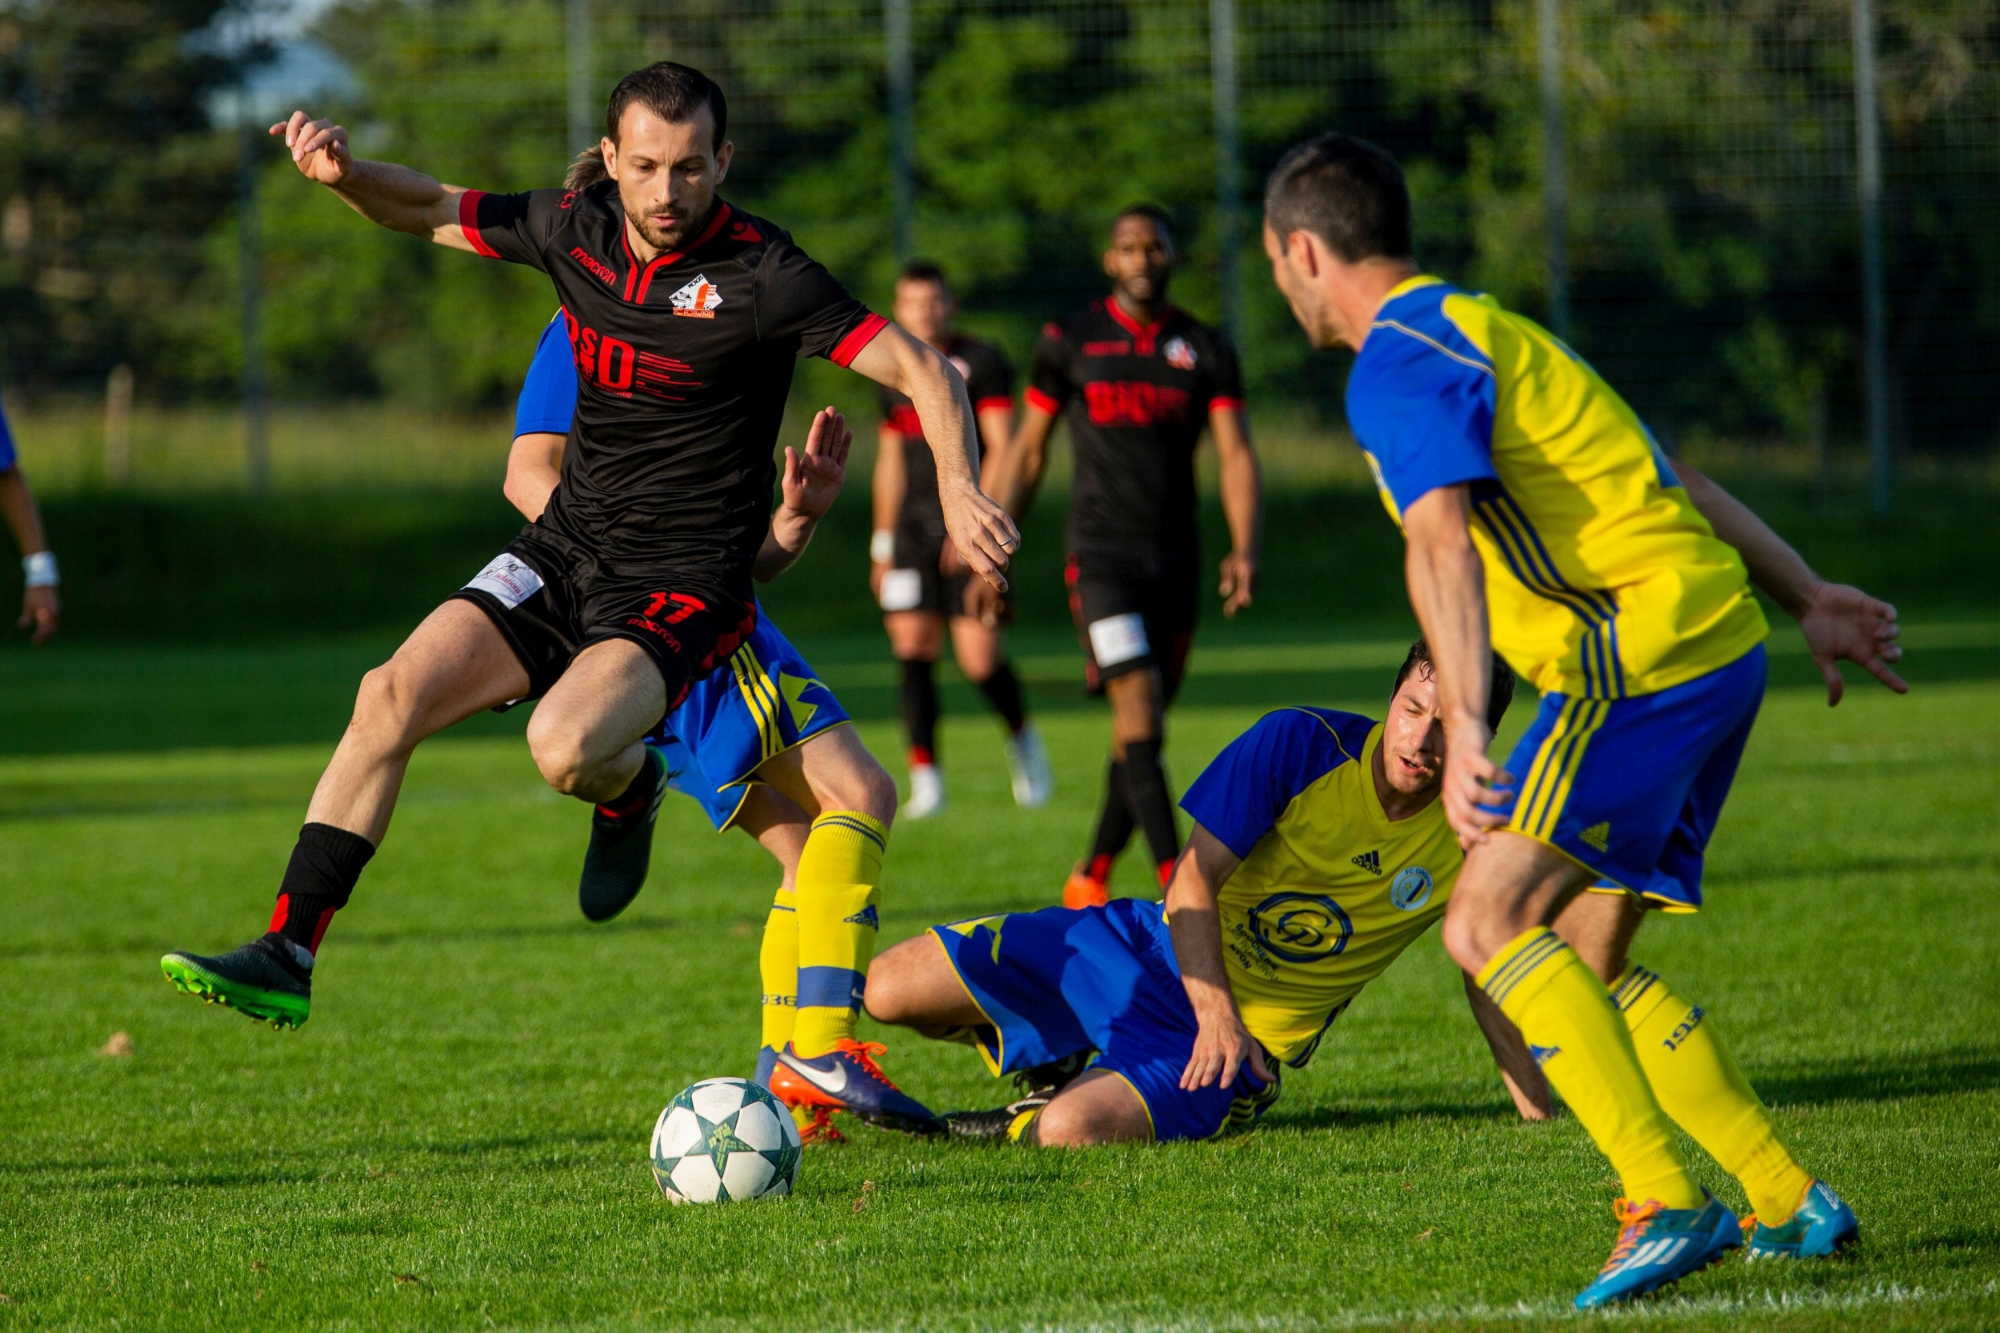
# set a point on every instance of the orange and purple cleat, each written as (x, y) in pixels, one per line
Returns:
(847, 1078)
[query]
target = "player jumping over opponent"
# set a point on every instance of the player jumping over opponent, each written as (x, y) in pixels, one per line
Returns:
(1319, 853)
(1542, 518)
(1137, 379)
(685, 317)
(915, 572)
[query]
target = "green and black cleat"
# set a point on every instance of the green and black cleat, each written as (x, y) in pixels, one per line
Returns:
(257, 980)
(621, 846)
(1038, 1087)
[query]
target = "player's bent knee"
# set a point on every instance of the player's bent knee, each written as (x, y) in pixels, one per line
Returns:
(388, 707)
(560, 755)
(1469, 939)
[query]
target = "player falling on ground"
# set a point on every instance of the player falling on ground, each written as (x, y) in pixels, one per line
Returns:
(915, 572)
(685, 317)
(765, 700)
(41, 606)
(1319, 853)
(1137, 378)
(1541, 516)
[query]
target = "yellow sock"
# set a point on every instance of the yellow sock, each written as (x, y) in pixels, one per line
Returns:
(1574, 1033)
(839, 891)
(1699, 1085)
(778, 964)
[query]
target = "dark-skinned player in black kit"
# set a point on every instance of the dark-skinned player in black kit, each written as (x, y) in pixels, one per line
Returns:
(685, 318)
(1136, 379)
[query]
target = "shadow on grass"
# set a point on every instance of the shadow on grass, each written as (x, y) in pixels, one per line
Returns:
(1884, 1078)
(96, 948)
(1874, 867)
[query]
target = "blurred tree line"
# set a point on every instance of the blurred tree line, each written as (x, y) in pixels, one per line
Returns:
(1714, 235)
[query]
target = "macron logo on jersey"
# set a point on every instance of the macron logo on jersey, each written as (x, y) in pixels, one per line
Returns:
(595, 266)
(698, 299)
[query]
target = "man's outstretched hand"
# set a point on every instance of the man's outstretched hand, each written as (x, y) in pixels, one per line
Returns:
(813, 479)
(985, 536)
(1839, 623)
(1476, 790)
(319, 148)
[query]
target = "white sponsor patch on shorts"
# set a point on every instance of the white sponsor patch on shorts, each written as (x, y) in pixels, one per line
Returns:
(1118, 639)
(507, 579)
(902, 589)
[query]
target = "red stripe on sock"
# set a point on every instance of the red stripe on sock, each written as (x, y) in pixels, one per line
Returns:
(1099, 868)
(319, 931)
(280, 912)
(919, 755)
(1165, 870)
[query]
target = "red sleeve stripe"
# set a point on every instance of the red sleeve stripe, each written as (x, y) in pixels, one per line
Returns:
(1222, 400)
(864, 333)
(1040, 400)
(997, 403)
(468, 221)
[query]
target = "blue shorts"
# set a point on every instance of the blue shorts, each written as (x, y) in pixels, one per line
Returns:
(1631, 788)
(1059, 981)
(763, 701)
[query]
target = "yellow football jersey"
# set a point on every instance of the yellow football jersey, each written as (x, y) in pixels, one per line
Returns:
(1330, 890)
(1602, 578)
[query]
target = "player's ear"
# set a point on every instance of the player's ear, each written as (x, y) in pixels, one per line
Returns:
(723, 156)
(1304, 246)
(609, 147)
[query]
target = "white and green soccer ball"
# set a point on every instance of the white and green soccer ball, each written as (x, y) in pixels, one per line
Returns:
(724, 1140)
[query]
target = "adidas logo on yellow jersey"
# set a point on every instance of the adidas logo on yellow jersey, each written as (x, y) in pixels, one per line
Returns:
(1371, 862)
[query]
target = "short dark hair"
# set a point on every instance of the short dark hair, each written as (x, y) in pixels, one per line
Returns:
(922, 270)
(1347, 191)
(586, 169)
(1157, 214)
(672, 92)
(1498, 695)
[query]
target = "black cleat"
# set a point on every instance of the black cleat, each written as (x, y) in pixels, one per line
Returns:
(1038, 1087)
(621, 846)
(257, 979)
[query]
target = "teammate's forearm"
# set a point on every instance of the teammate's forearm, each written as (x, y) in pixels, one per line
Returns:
(1027, 459)
(1447, 584)
(784, 543)
(24, 519)
(1243, 502)
(534, 469)
(397, 197)
(1774, 566)
(887, 484)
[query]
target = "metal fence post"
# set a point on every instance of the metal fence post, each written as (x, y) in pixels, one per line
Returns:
(1555, 165)
(1874, 351)
(902, 124)
(1228, 163)
(250, 266)
(577, 33)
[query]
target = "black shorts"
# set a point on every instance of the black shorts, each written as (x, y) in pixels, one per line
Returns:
(1131, 615)
(551, 599)
(914, 582)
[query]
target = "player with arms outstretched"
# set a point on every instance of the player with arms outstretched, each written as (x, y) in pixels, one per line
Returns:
(685, 318)
(1137, 379)
(915, 571)
(1542, 518)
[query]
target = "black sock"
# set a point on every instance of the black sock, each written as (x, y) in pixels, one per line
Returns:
(1003, 690)
(1114, 824)
(1146, 789)
(318, 881)
(920, 710)
(641, 790)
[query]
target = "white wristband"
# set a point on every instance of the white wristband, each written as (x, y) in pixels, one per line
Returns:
(882, 546)
(40, 569)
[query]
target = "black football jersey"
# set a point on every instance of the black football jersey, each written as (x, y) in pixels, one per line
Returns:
(1137, 397)
(989, 379)
(682, 364)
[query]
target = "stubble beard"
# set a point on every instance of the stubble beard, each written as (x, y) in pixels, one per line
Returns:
(661, 238)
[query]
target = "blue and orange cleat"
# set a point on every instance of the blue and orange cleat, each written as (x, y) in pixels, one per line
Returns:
(1820, 1226)
(847, 1078)
(1657, 1246)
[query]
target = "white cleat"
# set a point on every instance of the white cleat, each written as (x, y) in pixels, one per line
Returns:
(926, 792)
(1028, 762)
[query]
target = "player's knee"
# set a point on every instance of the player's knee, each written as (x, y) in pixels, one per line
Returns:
(560, 755)
(889, 996)
(863, 785)
(1070, 1123)
(1467, 940)
(387, 707)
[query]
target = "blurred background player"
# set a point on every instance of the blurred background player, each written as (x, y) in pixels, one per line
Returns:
(1137, 379)
(1543, 519)
(41, 608)
(764, 700)
(916, 574)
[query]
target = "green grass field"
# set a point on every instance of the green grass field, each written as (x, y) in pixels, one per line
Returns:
(458, 1137)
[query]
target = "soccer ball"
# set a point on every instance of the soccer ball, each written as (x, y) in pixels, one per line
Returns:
(725, 1139)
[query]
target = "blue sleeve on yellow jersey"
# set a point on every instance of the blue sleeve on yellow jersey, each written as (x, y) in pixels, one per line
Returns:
(1421, 399)
(548, 396)
(1242, 793)
(7, 456)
